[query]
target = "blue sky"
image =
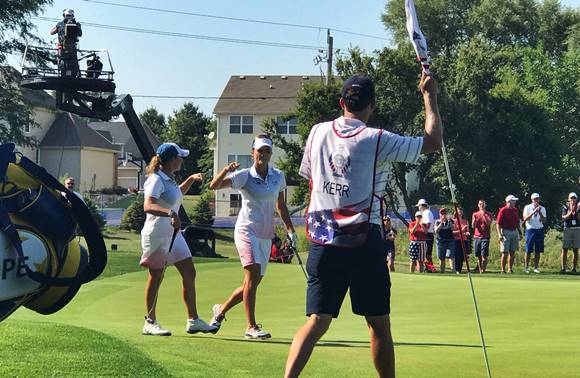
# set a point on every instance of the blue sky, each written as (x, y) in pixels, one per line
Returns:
(161, 65)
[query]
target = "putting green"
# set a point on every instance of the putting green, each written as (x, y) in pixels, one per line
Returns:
(531, 329)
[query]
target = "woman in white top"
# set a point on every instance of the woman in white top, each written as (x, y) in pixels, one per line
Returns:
(262, 189)
(163, 198)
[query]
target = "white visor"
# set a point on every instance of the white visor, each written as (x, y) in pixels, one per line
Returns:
(261, 142)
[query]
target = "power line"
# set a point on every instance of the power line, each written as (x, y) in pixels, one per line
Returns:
(218, 97)
(192, 36)
(235, 18)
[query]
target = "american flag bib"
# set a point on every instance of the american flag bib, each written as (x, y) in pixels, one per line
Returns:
(343, 161)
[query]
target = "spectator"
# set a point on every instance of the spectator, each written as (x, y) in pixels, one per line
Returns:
(390, 236)
(459, 228)
(429, 222)
(281, 252)
(481, 224)
(534, 216)
(445, 242)
(417, 244)
(509, 232)
(571, 221)
(69, 183)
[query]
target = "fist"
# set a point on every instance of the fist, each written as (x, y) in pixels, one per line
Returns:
(232, 166)
(197, 177)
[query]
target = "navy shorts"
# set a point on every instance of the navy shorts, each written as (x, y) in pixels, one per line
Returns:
(445, 249)
(334, 270)
(481, 247)
(535, 240)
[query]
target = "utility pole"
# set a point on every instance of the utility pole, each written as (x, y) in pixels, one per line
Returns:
(329, 58)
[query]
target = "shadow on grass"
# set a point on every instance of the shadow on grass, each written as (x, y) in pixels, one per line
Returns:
(344, 343)
(223, 236)
(114, 237)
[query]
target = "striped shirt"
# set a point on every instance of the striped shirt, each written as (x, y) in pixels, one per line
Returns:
(392, 148)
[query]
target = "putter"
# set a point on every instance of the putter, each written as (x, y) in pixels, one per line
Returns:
(295, 252)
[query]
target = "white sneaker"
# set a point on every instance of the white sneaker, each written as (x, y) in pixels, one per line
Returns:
(198, 325)
(536, 270)
(217, 316)
(257, 333)
(153, 328)
(527, 270)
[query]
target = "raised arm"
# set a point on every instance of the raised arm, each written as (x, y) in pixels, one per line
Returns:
(185, 185)
(433, 138)
(221, 181)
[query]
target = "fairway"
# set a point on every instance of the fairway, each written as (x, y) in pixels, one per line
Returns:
(531, 326)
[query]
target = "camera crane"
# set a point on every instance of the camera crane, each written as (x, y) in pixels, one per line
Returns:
(88, 93)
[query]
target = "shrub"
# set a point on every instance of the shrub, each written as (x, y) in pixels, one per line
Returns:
(97, 216)
(113, 190)
(134, 216)
(202, 211)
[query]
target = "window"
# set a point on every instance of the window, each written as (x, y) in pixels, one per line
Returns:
(241, 124)
(37, 156)
(27, 128)
(244, 160)
(235, 204)
(287, 126)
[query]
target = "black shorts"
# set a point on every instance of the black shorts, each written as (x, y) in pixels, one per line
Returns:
(481, 247)
(334, 270)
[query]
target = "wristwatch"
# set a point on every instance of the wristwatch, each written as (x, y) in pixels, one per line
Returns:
(171, 213)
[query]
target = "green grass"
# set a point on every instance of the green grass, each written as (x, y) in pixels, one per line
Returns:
(529, 323)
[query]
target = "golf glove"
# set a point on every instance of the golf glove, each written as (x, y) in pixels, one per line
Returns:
(293, 239)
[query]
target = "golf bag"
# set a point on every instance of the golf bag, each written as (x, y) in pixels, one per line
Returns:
(42, 265)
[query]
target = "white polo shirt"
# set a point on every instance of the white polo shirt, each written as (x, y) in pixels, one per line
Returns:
(168, 195)
(534, 222)
(259, 197)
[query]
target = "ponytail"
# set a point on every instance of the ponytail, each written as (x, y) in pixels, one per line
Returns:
(154, 165)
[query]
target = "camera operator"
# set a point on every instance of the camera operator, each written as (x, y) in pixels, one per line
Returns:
(67, 40)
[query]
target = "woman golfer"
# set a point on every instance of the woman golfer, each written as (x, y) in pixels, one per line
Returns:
(162, 201)
(262, 189)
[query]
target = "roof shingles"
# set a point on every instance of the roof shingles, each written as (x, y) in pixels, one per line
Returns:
(66, 132)
(261, 94)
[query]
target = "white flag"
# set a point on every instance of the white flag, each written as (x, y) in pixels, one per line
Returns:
(417, 37)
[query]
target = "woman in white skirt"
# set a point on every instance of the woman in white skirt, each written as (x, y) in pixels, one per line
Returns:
(163, 197)
(262, 189)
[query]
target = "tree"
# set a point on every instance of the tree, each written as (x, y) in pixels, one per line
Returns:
(315, 103)
(134, 217)
(155, 120)
(15, 30)
(189, 127)
(202, 211)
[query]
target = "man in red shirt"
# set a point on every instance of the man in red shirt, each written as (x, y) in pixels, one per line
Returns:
(417, 243)
(509, 232)
(481, 224)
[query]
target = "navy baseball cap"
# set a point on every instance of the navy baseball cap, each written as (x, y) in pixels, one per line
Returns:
(358, 92)
(168, 151)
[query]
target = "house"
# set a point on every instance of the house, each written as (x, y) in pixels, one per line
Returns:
(71, 147)
(244, 104)
(130, 164)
